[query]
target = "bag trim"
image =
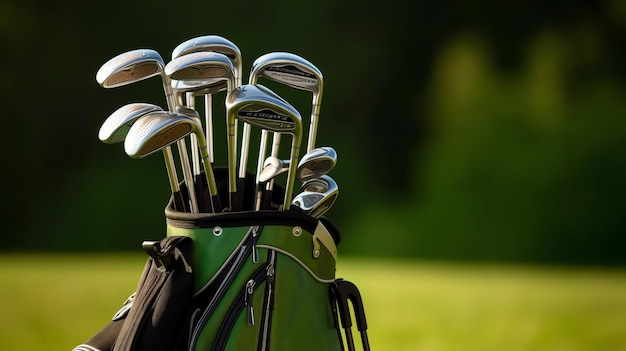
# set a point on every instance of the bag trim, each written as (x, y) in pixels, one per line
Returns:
(238, 219)
(231, 258)
(298, 261)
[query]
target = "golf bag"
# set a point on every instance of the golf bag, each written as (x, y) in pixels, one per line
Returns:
(249, 280)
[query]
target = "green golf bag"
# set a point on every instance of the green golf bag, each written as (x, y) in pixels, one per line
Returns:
(249, 280)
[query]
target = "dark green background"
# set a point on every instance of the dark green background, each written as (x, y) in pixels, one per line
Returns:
(465, 130)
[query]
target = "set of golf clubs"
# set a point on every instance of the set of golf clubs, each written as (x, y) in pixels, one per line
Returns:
(202, 67)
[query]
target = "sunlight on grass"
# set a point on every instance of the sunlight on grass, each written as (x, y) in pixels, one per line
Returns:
(54, 302)
(428, 306)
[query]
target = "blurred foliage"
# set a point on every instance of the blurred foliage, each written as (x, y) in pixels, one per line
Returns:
(471, 131)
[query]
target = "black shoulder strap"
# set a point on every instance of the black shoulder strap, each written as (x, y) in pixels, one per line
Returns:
(163, 297)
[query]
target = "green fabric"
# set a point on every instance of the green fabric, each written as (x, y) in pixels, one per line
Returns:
(210, 250)
(301, 246)
(302, 316)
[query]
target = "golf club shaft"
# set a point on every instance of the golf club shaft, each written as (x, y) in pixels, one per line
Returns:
(182, 147)
(195, 158)
(210, 176)
(178, 202)
(269, 186)
(208, 118)
(313, 125)
(258, 188)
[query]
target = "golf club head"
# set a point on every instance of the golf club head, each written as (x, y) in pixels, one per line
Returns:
(156, 131)
(210, 87)
(289, 69)
(316, 163)
(319, 185)
(258, 106)
(214, 43)
(190, 113)
(129, 67)
(296, 72)
(116, 126)
(315, 203)
(201, 68)
(272, 167)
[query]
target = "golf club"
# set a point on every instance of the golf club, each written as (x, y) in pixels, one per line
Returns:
(316, 184)
(157, 130)
(200, 188)
(296, 72)
(136, 65)
(258, 106)
(212, 43)
(315, 203)
(272, 167)
(316, 163)
(313, 164)
(116, 127)
(202, 68)
(186, 91)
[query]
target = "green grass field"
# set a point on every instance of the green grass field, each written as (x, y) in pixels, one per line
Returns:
(53, 302)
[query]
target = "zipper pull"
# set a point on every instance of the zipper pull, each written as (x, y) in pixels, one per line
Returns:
(255, 251)
(248, 301)
(270, 272)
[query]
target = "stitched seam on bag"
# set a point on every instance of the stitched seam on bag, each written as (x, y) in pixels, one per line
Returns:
(298, 261)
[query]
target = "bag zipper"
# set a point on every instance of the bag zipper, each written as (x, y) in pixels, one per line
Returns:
(264, 335)
(229, 277)
(248, 301)
(243, 301)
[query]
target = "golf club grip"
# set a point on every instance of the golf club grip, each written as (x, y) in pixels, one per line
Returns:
(179, 202)
(266, 203)
(203, 197)
(216, 203)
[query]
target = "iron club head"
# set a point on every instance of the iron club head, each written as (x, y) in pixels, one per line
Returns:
(258, 106)
(156, 131)
(316, 163)
(116, 126)
(272, 167)
(214, 43)
(316, 203)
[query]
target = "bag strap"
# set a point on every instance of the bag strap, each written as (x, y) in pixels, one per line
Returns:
(165, 253)
(156, 318)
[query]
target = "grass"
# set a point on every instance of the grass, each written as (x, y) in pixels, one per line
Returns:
(54, 302)
(427, 306)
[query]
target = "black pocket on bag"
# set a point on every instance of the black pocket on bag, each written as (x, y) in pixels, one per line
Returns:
(157, 317)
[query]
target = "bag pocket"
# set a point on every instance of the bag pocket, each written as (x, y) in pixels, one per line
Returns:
(157, 316)
(245, 311)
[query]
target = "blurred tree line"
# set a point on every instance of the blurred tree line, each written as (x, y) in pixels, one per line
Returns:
(465, 130)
